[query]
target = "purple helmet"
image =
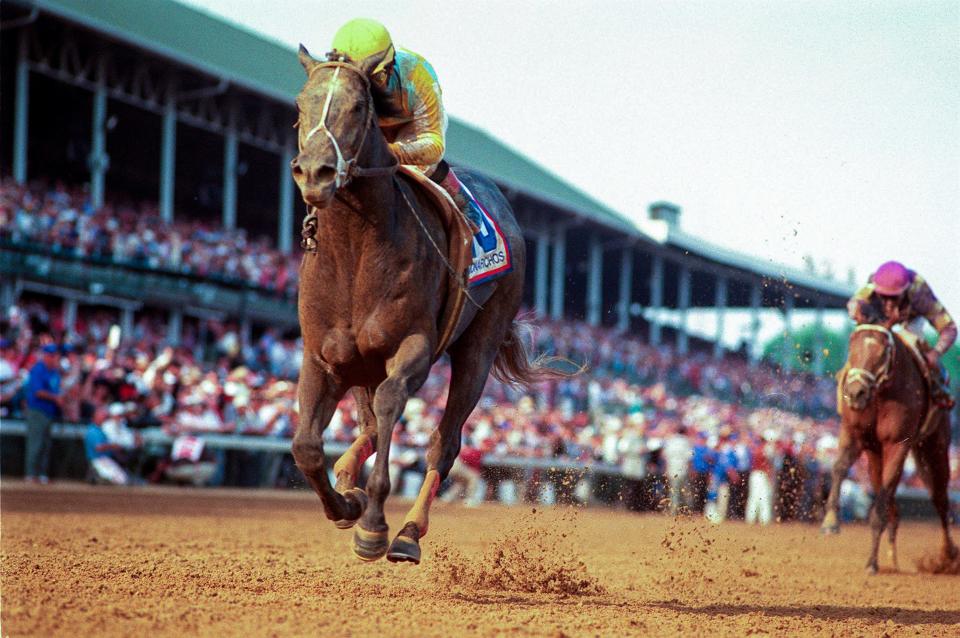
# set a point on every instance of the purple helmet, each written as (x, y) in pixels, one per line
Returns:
(891, 279)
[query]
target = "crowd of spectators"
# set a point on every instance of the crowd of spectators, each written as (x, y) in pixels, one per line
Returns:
(60, 219)
(667, 430)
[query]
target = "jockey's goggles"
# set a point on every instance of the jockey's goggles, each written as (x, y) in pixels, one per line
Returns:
(381, 73)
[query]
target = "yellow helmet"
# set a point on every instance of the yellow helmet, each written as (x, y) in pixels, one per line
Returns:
(367, 42)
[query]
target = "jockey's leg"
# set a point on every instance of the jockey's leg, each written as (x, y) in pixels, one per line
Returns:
(941, 387)
(452, 184)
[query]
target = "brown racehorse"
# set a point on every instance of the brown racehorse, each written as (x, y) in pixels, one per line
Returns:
(884, 400)
(370, 303)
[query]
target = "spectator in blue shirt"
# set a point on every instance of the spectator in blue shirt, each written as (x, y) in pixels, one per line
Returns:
(42, 397)
(101, 452)
(701, 465)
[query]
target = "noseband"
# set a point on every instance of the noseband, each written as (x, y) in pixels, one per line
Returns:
(869, 379)
(346, 169)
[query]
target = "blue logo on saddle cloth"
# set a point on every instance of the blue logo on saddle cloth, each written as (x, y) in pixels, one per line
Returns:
(491, 252)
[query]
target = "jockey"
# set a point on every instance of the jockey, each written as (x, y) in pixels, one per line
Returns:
(409, 104)
(896, 295)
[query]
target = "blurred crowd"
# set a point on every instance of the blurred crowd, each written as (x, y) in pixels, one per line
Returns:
(659, 429)
(61, 219)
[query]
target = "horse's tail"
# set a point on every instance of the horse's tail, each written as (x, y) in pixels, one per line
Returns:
(514, 366)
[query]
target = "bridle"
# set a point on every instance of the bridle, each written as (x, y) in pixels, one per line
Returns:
(346, 169)
(870, 379)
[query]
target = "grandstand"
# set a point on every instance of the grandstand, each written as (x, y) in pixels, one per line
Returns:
(164, 108)
(146, 183)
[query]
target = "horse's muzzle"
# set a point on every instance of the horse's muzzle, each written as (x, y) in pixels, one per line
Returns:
(856, 394)
(317, 182)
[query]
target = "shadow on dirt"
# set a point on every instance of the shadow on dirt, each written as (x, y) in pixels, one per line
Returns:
(898, 615)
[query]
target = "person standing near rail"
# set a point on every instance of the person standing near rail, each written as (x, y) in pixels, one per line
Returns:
(43, 401)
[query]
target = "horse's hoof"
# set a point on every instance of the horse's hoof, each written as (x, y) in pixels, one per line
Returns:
(830, 530)
(369, 546)
(871, 570)
(353, 496)
(405, 548)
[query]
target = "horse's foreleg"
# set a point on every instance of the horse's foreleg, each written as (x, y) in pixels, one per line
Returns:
(469, 370)
(893, 523)
(847, 455)
(318, 396)
(348, 466)
(893, 456)
(406, 372)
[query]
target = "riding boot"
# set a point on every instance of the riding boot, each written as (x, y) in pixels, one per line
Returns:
(468, 207)
(941, 388)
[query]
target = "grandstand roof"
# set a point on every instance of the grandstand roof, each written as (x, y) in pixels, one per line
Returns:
(257, 63)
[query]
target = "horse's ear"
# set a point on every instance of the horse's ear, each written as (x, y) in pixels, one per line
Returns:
(306, 59)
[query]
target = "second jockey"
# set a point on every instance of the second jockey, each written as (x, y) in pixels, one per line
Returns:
(894, 295)
(409, 104)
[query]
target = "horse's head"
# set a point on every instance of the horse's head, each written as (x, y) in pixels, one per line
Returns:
(335, 114)
(869, 364)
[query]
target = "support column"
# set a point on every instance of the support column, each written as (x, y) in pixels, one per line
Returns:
(720, 302)
(69, 315)
(175, 327)
(559, 272)
(789, 352)
(656, 298)
(7, 294)
(285, 227)
(541, 273)
(126, 321)
(756, 298)
(246, 330)
(683, 301)
(21, 112)
(168, 157)
(626, 286)
(230, 175)
(595, 282)
(819, 360)
(99, 161)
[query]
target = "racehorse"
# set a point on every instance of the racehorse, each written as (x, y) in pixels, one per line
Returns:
(372, 296)
(883, 401)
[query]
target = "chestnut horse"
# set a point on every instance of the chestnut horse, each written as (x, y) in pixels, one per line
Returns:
(884, 401)
(372, 296)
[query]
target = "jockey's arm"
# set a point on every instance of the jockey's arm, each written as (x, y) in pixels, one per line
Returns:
(422, 142)
(925, 303)
(860, 307)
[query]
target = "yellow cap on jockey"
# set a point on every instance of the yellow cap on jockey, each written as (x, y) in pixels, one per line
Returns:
(367, 42)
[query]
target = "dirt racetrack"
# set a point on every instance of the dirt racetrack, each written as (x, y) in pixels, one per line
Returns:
(84, 561)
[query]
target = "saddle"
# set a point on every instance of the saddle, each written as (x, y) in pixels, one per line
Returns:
(459, 254)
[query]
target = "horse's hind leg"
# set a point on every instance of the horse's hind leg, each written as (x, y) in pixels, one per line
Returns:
(406, 372)
(470, 358)
(935, 465)
(318, 397)
(348, 466)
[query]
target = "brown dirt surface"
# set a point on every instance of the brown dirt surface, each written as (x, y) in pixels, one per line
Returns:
(84, 561)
